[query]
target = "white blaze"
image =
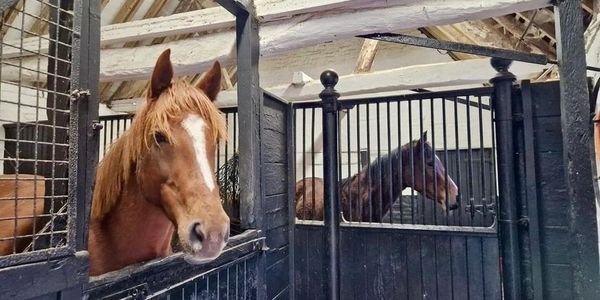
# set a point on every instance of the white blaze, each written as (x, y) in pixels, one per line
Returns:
(194, 125)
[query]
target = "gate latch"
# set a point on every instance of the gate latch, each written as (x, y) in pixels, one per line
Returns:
(484, 208)
(78, 94)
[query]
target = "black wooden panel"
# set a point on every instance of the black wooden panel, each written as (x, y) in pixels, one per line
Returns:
(545, 98)
(460, 286)
(547, 134)
(443, 267)
(558, 282)
(277, 218)
(275, 203)
(491, 262)
(277, 152)
(389, 264)
(476, 274)
(428, 266)
(413, 267)
(555, 245)
(275, 178)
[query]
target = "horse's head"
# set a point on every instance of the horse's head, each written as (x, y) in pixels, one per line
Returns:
(437, 188)
(182, 128)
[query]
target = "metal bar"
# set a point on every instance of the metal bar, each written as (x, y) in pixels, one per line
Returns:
(506, 172)
(332, 213)
(458, 47)
(237, 7)
(576, 131)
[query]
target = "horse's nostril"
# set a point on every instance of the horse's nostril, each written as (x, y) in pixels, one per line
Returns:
(197, 232)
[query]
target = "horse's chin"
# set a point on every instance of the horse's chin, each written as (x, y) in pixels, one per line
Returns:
(195, 259)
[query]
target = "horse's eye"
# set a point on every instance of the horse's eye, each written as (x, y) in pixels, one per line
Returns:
(160, 138)
(430, 163)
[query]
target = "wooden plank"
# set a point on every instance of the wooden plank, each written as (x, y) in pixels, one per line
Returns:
(428, 266)
(366, 56)
(275, 175)
(558, 281)
(444, 267)
(475, 269)
(278, 236)
(460, 275)
(413, 267)
(372, 277)
(555, 245)
(491, 264)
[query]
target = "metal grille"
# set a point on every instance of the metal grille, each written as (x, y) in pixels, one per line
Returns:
(372, 134)
(35, 72)
(233, 280)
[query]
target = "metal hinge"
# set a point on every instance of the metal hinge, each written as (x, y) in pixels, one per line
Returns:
(78, 94)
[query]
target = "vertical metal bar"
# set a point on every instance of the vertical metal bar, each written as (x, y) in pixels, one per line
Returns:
(470, 192)
(358, 163)
(445, 157)
(411, 162)
(390, 173)
(458, 162)
(422, 205)
(332, 216)
(379, 167)
(304, 164)
(312, 162)
(482, 173)
(507, 220)
(400, 162)
(369, 178)
(349, 176)
(576, 131)
(433, 155)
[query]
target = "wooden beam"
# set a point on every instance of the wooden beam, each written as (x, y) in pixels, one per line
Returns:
(192, 56)
(518, 30)
(366, 56)
(406, 78)
(545, 28)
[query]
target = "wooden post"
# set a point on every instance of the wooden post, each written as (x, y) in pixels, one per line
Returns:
(576, 131)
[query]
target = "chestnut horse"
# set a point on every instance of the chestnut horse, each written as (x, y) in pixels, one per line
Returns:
(21, 211)
(369, 201)
(159, 177)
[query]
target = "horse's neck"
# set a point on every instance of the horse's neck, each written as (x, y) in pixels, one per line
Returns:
(134, 231)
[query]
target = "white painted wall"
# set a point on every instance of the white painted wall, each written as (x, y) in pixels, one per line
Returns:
(19, 104)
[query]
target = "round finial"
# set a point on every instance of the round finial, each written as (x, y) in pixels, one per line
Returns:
(329, 78)
(500, 64)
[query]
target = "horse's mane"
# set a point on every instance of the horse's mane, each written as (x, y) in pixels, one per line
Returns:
(119, 164)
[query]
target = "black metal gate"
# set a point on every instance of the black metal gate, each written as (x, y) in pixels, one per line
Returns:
(502, 146)
(408, 246)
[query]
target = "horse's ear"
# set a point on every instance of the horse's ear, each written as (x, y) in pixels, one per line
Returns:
(162, 74)
(424, 136)
(210, 83)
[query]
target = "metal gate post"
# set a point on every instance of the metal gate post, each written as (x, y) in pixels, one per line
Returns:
(508, 215)
(329, 98)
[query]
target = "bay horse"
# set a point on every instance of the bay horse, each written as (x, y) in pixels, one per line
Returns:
(159, 178)
(368, 195)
